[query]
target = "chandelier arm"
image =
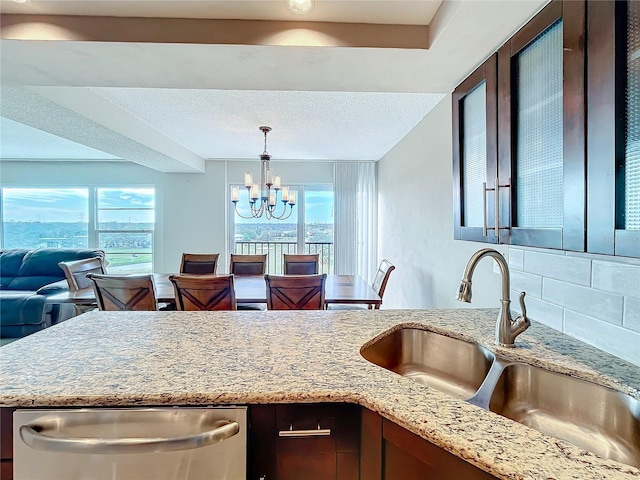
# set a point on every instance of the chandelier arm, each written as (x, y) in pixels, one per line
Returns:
(242, 216)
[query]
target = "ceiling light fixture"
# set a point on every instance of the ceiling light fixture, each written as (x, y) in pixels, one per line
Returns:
(262, 200)
(299, 6)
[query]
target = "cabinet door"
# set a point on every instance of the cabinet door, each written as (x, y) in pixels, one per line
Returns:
(475, 154)
(541, 130)
(333, 455)
(613, 146)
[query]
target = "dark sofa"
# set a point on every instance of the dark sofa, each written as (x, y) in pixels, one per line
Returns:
(26, 278)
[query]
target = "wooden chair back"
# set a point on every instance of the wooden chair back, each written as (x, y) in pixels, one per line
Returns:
(248, 264)
(300, 264)
(295, 292)
(124, 292)
(199, 263)
(204, 292)
(381, 279)
(76, 272)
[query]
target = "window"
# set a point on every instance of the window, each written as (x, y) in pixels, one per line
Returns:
(120, 221)
(309, 228)
(45, 217)
(124, 227)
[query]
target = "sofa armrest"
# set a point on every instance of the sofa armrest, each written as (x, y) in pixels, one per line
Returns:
(55, 287)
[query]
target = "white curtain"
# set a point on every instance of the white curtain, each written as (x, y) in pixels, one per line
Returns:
(356, 216)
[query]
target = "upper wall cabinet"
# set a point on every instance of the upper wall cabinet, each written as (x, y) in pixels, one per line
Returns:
(475, 153)
(613, 141)
(567, 163)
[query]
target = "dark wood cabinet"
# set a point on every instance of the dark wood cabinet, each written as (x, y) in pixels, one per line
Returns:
(389, 452)
(6, 443)
(282, 447)
(567, 121)
(475, 154)
(613, 123)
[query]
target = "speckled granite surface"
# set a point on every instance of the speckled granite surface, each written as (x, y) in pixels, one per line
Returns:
(181, 358)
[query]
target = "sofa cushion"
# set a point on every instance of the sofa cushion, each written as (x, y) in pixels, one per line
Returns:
(10, 262)
(19, 307)
(40, 267)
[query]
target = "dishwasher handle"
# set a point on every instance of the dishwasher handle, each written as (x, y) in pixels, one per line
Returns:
(37, 436)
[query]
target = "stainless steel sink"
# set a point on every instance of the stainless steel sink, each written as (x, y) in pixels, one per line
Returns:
(447, 364)
(590, 416)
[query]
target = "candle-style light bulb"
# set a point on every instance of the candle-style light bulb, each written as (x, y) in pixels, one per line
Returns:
(285, 194)
(276, 182)
(272, 199)
(234, 194)
(292, 198)
(255, 192)
(248, 180)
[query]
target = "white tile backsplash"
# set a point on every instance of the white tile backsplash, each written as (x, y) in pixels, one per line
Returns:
(601, 305)
(616, 340)
(516, 259)
(595, 298)
(525, 282)
(558, 266)
(632, 314)
(616, 277)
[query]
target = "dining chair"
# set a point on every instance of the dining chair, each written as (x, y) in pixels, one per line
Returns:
(295, 292)
(199, 263)
(379, 285)
(248, 265)
(76, 274)
(204, 292)
(124, 292)
(300, 264)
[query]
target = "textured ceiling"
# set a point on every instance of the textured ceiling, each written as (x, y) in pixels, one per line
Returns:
(306, 125)
(171, 105)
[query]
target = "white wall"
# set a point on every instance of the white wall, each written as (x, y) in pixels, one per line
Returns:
(191, 208)
(415, 222)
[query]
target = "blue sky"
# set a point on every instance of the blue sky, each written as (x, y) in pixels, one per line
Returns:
(72, 204)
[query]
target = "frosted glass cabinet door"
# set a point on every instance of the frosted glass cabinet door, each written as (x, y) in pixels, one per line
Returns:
(613, 147)
(475, 154)
(541, 132)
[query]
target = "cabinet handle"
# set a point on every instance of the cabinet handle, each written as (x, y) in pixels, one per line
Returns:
(484, 209)
(319, 432)
(496, 204)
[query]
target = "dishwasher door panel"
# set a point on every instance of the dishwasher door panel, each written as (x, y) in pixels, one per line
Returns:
(178, 443)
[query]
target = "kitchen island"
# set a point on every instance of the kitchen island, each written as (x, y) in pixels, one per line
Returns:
(217, 358)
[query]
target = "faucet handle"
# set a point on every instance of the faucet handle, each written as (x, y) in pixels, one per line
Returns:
(523, 307)
(522, 322)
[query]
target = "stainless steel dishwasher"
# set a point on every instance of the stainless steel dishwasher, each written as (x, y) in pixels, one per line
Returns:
(175, 443)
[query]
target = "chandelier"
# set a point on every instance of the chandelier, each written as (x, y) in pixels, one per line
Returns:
(263, 197)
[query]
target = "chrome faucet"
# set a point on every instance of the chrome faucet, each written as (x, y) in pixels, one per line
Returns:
(507, 329)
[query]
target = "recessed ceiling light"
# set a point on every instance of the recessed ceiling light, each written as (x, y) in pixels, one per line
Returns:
(299, 6)
(20, 1)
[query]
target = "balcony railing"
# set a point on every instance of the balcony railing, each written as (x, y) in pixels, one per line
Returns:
(276, 250)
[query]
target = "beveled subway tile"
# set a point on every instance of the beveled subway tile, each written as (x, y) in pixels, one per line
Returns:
(559, 267)
(601, 305)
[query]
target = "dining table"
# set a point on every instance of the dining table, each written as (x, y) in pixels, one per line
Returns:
(339, 289)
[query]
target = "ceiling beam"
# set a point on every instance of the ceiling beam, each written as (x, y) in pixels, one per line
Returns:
(212, 32)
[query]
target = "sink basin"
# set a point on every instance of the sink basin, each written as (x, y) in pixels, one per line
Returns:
(593, 417)
(447, 364)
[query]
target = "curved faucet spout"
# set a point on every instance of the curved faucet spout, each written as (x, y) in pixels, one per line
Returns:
(506, 328)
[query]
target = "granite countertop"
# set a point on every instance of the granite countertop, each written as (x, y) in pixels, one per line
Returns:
(187, 358)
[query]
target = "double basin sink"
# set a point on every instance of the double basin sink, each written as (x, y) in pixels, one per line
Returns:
(593, 417)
